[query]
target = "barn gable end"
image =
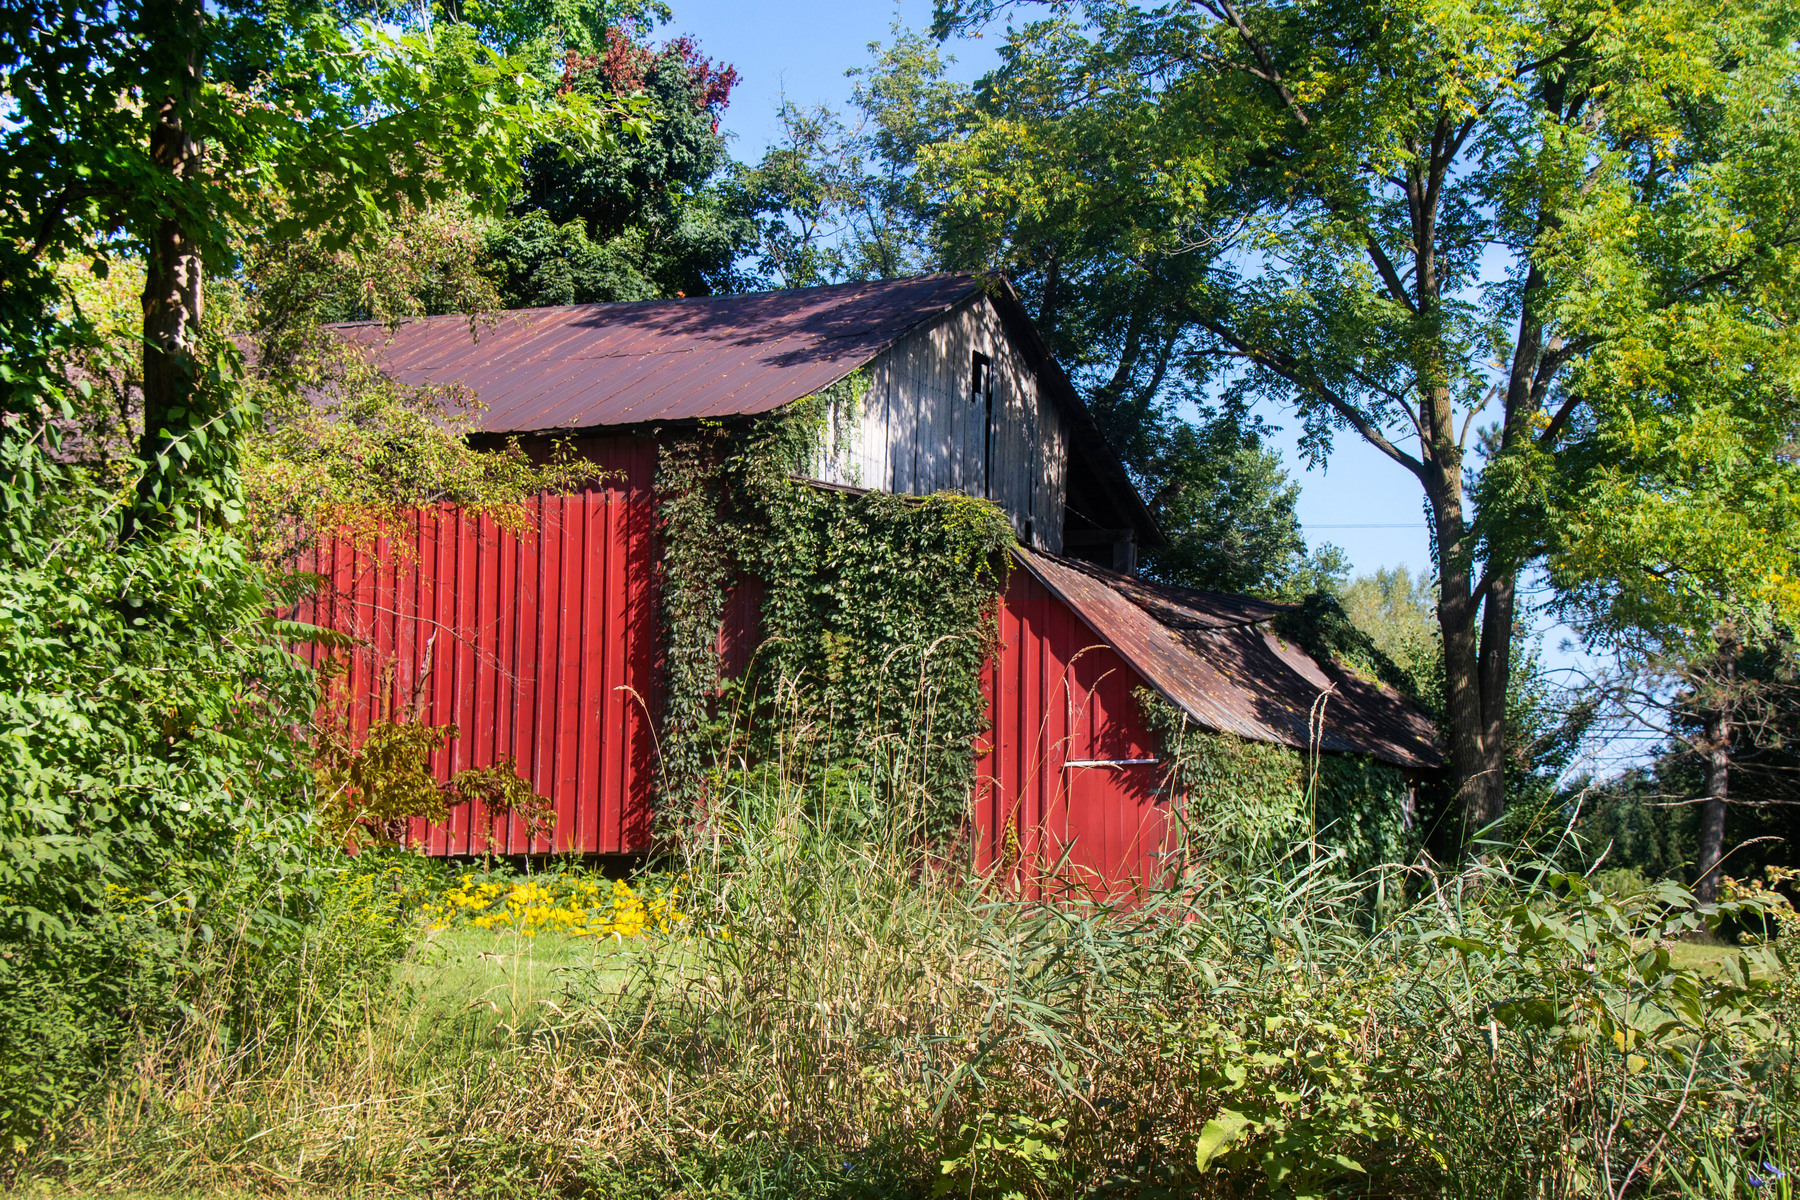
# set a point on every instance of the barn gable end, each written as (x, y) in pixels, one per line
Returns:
(956, 406)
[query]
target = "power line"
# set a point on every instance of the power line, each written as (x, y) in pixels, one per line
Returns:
(1401, 525)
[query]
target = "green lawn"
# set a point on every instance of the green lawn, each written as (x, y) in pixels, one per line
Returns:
(1691, 956)
(516, 980)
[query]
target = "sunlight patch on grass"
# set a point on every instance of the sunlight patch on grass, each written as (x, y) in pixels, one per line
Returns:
(512, 977)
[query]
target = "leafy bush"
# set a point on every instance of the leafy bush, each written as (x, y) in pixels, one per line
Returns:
(153, 781)
(1248, 802)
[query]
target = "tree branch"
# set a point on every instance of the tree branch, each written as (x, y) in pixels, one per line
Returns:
(1395, 286)
(1294, 374)
(1552, 431)
(1270, 73)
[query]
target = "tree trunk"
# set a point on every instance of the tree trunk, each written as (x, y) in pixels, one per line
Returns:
(1479, 796)
(1718, 795)
(174, 271)
(1497, 614)
(1475, 801)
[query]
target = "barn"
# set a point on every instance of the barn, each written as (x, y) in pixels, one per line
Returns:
(543, 648)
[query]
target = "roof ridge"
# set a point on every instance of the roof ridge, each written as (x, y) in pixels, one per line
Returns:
(711, 298)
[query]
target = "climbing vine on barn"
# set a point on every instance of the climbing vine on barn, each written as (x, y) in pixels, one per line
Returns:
(1251, 802)
(878, 614)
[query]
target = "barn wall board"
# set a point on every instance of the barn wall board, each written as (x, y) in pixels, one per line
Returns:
(919, 430)
(541, 648)
(1068, 773)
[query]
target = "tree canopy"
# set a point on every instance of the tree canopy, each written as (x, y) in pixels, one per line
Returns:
(1541, 256)
(648, 217)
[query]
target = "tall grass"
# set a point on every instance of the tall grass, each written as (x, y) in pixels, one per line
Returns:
(845, 1014)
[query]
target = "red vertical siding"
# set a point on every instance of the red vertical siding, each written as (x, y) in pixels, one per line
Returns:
(1058, 697)
(544, 648)
(540, 647)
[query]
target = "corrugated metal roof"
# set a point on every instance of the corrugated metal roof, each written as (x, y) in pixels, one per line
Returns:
(1216, 658)
(587, 365)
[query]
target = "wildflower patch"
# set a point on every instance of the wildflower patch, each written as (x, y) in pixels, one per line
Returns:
(566, 904)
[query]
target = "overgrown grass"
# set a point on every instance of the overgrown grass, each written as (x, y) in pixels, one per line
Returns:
(841, 1015)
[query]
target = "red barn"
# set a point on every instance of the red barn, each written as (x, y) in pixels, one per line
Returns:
(544, 648)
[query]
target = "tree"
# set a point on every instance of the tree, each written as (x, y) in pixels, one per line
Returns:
(540, 32)
(799, 195)
(849, 200)
(1399, 613)
(649, 217)
(155, 772)
(1720, 787)
(841, 197)
(1728, 706)
(1576, 223)
(1228, 510)
(170, 131)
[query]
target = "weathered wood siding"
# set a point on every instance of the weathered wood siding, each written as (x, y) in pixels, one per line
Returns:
(919, 430)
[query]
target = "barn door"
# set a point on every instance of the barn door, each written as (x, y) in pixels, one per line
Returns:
(1114, 821)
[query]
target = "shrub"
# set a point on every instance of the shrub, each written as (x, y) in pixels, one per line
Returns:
(153, 780)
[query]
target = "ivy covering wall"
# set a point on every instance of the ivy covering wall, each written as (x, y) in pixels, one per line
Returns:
(1251, 802)
(878, 615)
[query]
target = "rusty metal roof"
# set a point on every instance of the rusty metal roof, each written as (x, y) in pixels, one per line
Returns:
(1217, 658)
(586, 365)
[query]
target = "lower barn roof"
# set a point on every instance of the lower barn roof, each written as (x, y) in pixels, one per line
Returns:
(1219, 660)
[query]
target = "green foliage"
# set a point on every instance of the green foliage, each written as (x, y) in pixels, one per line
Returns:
(529, 29)
(150, 771)
(1385, 627)
(369, 791)
(1321, 627)
(841, 197)
(645, 218)
(1248, 803)
(1399, 615)
(1228, 510)
(256, 123)
(880, 616)
(361, 453)
(697, 572)
(309, 988)
(1646, 818)
(337, 156)
(341, 448)
(423, 261)
(877, 617)
(333, 446)
(998, 1156)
